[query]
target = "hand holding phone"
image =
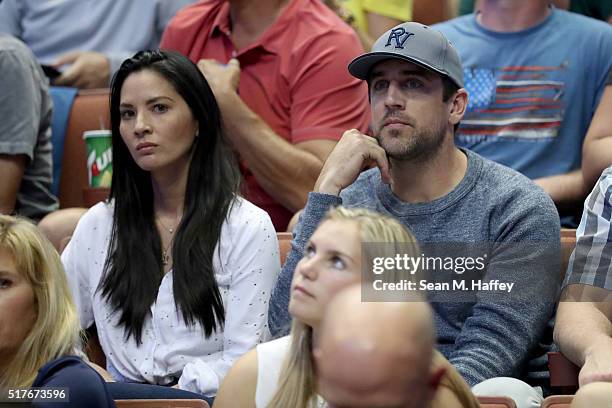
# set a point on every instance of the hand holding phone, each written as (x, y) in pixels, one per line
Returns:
(50, 71)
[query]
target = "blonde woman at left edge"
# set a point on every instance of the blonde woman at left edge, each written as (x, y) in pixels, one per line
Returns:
(39, 326)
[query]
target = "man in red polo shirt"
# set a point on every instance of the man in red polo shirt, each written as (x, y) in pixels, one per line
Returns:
(278, 70)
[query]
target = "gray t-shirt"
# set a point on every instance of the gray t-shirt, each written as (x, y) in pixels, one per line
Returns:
(25, 125)
(492, 204)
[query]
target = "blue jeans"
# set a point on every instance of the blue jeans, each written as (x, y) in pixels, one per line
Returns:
(124, 389)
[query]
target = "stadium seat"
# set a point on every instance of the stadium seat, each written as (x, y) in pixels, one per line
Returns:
(89, 112)
(284, 244)
(563, 373)
(430, 12)
(496, 402)
(557, 401)
(93, 349)
(568, 242)
(161, 403)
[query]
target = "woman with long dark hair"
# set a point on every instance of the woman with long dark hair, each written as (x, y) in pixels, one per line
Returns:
(175, 270)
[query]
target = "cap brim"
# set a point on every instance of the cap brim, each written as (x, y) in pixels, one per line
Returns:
(361, 66)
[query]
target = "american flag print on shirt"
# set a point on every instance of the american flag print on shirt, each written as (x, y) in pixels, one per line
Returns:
(512, 103)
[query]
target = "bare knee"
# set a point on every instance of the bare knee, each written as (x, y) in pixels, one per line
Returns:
(59, 225)
(598, 394)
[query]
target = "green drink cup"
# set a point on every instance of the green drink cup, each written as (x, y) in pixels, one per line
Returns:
(99, 157)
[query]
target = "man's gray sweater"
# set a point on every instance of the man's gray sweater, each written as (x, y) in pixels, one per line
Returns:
(492, 204)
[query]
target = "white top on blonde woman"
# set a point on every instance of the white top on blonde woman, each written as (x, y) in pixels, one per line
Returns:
(270, 359)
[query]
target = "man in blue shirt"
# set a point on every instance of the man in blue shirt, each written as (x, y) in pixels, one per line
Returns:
(87, 40)
(535, 75)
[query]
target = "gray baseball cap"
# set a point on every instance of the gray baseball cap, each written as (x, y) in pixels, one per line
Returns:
(416, 43)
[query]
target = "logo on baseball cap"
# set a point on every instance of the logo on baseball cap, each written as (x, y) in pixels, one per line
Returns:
(416, 43)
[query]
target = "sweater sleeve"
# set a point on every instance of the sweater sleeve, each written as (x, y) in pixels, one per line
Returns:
(279, 320)
(497, 338)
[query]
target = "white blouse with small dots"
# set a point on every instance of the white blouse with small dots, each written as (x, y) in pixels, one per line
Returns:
(170, 349)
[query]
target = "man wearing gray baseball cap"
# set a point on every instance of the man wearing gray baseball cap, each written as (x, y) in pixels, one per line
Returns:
(428, 49)
(442, 194)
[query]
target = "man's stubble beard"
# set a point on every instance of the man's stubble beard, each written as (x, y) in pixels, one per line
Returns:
(421, 146)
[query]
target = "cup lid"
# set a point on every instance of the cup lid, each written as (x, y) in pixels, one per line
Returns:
(97, 133)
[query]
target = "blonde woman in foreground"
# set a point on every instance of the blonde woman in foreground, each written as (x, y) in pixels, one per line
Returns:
(39, 326)
(281, 373)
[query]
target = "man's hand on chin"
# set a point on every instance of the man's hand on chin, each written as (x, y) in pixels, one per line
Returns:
(354, 152)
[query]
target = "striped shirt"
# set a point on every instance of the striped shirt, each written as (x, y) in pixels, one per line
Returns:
(591, 261)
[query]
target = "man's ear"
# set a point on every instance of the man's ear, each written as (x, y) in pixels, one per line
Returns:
(435, 377)
(458, 106)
